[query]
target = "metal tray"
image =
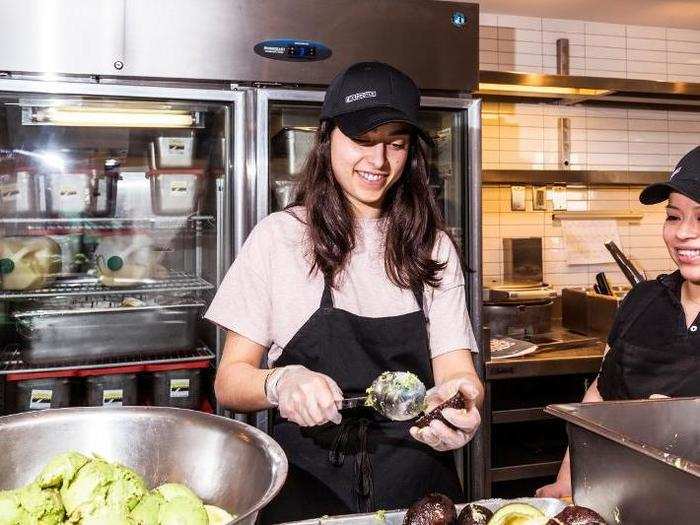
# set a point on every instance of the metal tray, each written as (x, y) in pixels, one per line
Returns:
(549, 506)
(636, 461)
(70, 335)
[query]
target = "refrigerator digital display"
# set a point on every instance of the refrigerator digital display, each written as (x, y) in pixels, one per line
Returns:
(292, 50)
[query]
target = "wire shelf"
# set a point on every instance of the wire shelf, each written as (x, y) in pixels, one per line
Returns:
(107, 223)
(11, 361)
(175, 282)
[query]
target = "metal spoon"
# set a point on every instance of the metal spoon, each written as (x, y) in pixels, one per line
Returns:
(399, 396)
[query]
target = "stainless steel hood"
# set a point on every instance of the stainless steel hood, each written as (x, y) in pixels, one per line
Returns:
(570, 89)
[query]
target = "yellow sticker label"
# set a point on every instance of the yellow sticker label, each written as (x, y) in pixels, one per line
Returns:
(113, 397)
(40, 399)
(179, 188)
(179, 388)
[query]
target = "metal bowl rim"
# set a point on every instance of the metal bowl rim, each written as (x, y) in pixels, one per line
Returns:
(279, 463)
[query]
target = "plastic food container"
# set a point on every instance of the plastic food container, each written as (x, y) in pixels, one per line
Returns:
(80, 192)
(176, 192)
(127, 260)
(77, 334)
(39, 394)
(112, 390)
(19, 192)
(27, 262)
(177, 388)
(291, 147)
(175, 152)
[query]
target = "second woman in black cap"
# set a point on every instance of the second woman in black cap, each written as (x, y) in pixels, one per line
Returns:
(356, 277)
(654, 342)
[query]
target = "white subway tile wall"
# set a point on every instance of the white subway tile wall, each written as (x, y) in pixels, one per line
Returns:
(527, 44)
(641, 240)
(526, 136)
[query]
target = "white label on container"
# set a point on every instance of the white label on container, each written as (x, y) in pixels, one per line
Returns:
(176, 147)
(179, 388)
(113, 398)
(40, 399)
(179, 188)
(9, 192)
(67, 191)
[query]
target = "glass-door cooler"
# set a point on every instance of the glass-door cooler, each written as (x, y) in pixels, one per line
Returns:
(113, 238)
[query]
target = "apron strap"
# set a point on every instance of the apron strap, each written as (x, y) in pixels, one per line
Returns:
(354, 430)
(327, 297)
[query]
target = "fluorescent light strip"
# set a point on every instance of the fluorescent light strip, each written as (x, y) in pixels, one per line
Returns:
(113, 118)
(544, 90)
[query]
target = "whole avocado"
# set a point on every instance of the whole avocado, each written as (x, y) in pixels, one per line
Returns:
(433, 509)
(577, 515)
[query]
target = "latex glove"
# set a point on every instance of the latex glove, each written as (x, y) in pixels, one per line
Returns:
(305, 397)
(558, 489)
(438, 435)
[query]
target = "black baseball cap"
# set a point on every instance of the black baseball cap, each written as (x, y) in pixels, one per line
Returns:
(369, 94)
(684, 179)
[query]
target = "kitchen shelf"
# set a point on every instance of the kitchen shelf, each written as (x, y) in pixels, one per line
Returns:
(109, 223)
(574, 89)
(11, 362)
(582, 177)
(175, 282)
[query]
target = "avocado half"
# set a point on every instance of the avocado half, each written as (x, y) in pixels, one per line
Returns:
(473, 514)
(518, 514)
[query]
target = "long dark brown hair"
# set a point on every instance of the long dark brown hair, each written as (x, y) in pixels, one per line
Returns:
(413, 218)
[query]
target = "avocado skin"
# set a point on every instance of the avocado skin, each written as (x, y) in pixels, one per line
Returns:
(456, 402)
(433, 509)
(578, 515)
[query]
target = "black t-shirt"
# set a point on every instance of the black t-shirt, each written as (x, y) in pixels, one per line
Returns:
(652, 351)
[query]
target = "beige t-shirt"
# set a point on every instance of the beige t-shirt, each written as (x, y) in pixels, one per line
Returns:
(268, 293)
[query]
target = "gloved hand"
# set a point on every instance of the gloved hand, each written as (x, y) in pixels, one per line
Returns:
(438, 435)
(558, 489)
(305, 397)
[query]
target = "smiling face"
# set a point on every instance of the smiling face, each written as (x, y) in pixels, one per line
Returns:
(682, 235)
(367, 166)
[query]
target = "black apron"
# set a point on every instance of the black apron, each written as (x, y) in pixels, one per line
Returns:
(368, 462)
(634, 369)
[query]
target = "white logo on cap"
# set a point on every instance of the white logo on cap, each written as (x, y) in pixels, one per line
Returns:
(359, 96)
(675, 172)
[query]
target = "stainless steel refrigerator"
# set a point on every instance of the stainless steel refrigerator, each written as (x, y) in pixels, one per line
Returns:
(236, 86)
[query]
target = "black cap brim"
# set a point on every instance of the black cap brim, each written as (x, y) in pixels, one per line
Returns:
(659, 192)
(358, 123)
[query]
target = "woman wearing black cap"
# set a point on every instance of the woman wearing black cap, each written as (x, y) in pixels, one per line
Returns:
(654, 343)
(356, 277)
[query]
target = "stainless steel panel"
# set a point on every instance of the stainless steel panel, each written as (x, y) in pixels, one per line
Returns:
(61, 36)
(64, 336)
(225, 462)
(214, 39)
(636, 461)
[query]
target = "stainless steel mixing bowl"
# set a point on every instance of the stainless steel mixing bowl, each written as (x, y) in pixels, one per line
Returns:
(226, 462)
